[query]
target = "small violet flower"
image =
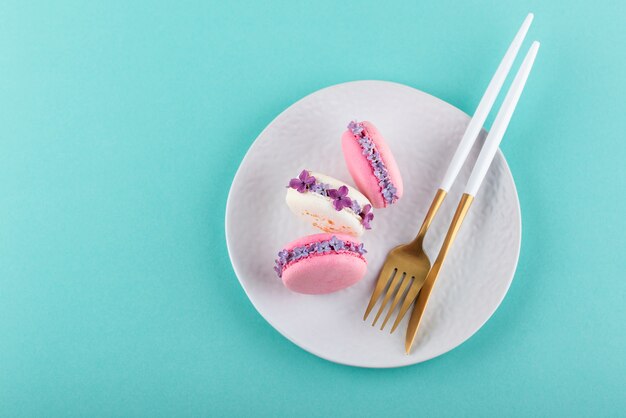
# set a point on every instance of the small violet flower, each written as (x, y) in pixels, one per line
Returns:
(356, 208)
(374, 157)
(366, 216)
(316, 247)
(355, 128)
(278, 269)
(319, 188)
(303, 182)
(283, 256)
(340, 198)
(336, 243)
(324, 247)
(367, 147)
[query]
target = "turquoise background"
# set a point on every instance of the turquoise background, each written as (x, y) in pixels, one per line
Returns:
(123, 123)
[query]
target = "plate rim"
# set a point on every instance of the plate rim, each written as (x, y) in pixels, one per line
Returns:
(312, 350)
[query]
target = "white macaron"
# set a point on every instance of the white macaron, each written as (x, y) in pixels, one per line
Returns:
(329, 204)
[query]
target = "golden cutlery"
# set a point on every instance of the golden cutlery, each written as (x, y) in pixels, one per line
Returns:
(408, 264)
(479, 171)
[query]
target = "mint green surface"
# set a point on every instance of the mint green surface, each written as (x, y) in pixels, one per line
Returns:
(122, 125)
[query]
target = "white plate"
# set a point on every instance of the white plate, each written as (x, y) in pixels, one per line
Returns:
(423, 132)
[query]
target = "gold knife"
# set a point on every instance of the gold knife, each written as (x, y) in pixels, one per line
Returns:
(431, 277)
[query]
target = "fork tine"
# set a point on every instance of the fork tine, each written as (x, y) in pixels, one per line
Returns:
(408, 300)
(405, 282)
(390, 291)
(383, 278)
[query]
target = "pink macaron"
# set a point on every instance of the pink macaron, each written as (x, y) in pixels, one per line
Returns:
(321, 263)
(371, 164)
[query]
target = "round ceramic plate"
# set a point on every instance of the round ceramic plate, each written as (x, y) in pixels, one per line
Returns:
(423, 133)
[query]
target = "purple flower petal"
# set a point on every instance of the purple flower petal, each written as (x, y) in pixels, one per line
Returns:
(335, 243)
(366, 216)
(283, 256)
(294, 183)
(366, 220)
(303, 175)
(319, 188)
(278, 271)
(355, 128)
(307, 178)
(342, 202)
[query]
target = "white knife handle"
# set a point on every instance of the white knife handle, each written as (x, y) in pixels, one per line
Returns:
(484, 106)
(501, 122)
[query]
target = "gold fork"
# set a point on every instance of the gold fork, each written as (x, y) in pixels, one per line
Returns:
(408, 264)
(404, 264)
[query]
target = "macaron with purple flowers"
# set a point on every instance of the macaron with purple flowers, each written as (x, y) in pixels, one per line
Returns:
(321, 263)
(371, 164)
(329, 204)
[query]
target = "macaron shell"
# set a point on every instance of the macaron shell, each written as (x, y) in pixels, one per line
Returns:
(360, 169)
(320, 212)
(323, 273)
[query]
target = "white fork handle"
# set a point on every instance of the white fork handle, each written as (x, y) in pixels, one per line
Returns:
(501, 122)
(484, 106)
